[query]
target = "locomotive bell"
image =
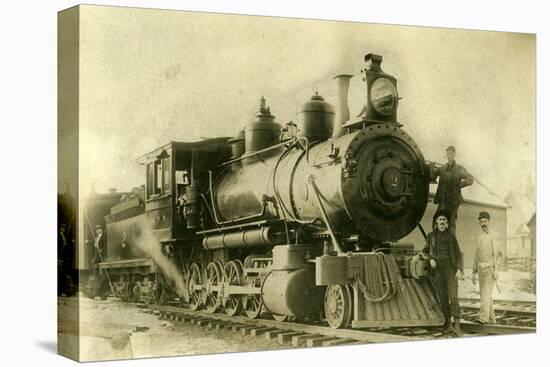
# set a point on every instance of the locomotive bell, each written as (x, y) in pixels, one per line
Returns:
(263, 132)
(316, 119)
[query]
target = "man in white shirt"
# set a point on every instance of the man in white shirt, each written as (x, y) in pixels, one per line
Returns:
(487, 257)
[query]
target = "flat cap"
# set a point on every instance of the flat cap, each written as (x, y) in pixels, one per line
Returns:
(441, 213)
(450, 147)
(484, 215)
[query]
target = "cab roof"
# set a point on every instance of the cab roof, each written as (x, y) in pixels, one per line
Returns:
(205, 145)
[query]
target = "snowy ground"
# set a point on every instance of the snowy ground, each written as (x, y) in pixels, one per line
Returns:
(112, 330)
(514, 286)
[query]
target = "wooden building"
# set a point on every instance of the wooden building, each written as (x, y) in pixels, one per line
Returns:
(476, 199)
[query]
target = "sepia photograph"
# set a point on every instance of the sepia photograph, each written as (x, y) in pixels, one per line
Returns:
(239, 183)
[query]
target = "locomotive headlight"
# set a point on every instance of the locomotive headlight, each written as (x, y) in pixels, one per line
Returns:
(383, 96)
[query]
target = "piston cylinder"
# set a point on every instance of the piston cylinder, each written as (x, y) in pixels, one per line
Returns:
(292, 293)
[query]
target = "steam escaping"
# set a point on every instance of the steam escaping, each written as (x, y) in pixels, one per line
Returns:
(146, 241)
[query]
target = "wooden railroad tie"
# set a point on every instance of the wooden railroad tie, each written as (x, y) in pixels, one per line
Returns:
(333, 342)
(217, 324)
(202, 322)
(247, 329)
(236, 328)
(228, 326)
(270, 335)
(260, 331)
(318, 341)
(199, 321)
(285, 337)
(299, 340)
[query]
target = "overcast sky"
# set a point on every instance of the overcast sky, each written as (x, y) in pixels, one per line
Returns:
(151, 76)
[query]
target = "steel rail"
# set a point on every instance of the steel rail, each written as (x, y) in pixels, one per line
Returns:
(495, 329)
(359, 335)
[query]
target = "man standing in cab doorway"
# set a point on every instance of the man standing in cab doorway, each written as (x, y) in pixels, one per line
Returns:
(487, 257)
(98, 249)
(452, 178)
(445, 257)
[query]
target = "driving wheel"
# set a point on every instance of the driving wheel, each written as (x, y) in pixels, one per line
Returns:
(196, 287)
(233, 276)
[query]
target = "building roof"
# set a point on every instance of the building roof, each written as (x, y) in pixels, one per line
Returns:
(521, 204)
(522, 209)
(533, 220)
(523, 229)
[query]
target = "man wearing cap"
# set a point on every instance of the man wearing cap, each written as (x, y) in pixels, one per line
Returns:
(98, 249)
(445, 257)
(487, 257)
(452, 178)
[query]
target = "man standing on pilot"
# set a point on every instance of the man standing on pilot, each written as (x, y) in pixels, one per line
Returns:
(452, 179)
(445, 257)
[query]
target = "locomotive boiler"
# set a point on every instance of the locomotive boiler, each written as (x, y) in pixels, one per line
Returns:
(300, 221)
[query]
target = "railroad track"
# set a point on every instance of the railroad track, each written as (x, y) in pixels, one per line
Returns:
(509, 313)
(316, 334)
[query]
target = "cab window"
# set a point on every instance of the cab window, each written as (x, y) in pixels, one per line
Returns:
(150, 179)
(166, 174)
(158, 177)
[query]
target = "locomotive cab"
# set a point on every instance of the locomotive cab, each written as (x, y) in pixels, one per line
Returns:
(173, 185)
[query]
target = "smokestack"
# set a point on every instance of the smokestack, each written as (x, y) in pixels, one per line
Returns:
(342, 116)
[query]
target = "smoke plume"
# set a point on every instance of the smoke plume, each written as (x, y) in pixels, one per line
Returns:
(147, 242)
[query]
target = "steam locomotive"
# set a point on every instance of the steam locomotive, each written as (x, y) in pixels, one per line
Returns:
(300, 221)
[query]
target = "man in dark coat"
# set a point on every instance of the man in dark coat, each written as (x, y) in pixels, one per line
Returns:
(64, 257)
(98, 249)
(452, 178)
(443, 251)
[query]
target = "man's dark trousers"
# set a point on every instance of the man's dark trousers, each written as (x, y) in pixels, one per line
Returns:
(447, 289)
